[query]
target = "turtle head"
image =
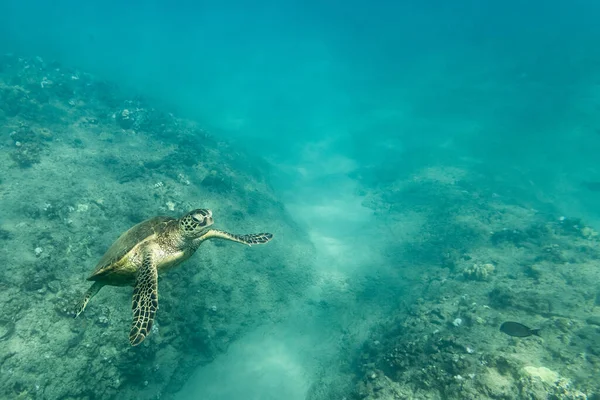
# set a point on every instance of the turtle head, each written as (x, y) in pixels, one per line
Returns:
(196, 222)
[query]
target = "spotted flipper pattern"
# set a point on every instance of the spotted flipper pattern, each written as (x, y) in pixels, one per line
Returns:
(254, 238)
(145, 301)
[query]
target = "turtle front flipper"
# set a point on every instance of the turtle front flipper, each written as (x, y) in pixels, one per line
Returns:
(254, 238)
(145, 301)
(91, 292)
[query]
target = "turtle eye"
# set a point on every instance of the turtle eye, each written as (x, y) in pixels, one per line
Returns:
(201, 221)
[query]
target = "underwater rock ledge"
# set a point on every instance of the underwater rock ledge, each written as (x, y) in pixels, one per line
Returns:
(81, 164)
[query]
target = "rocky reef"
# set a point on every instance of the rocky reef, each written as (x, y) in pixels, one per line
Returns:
(471, 259)
(519, 264)
(83, 162)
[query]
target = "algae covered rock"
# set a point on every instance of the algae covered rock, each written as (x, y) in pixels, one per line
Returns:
(479, 272)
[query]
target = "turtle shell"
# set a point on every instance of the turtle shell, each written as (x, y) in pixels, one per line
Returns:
(128, 240)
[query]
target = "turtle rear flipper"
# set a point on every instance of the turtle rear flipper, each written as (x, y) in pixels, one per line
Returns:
(254, 238)
(91, 292)
(145, 301)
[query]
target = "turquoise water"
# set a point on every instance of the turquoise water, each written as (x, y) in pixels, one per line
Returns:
(397, 150)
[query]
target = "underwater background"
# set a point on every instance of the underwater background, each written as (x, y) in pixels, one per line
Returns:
(429, 170)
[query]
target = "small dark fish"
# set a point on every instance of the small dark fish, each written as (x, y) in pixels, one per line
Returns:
(518, 330)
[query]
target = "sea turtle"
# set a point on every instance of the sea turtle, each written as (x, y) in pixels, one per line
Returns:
(150, 247)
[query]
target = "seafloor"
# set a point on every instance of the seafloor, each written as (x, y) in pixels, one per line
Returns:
(462, 253)
(480, 258)
(80, 165)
